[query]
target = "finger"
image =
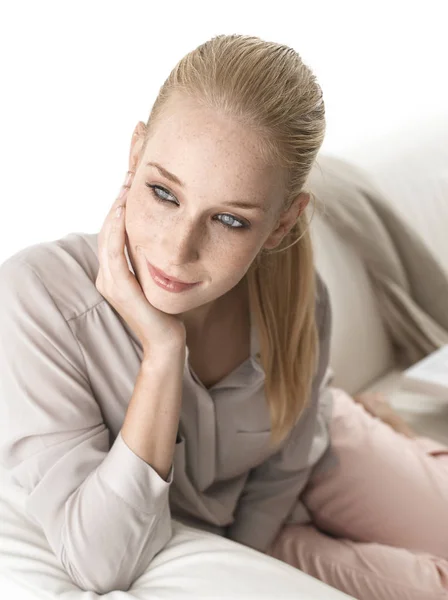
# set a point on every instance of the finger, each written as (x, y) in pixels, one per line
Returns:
(123, 194)
(116, 260)
(111, 220)
(120, 199)
(126, 185)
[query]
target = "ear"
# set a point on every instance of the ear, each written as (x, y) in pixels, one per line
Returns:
(287, 220)
(138, 138)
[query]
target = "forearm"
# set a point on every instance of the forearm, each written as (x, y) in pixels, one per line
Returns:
(152, 418)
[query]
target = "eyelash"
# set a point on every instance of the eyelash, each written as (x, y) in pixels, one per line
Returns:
(159, 199)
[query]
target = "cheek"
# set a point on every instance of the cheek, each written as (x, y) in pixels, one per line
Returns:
(139, 206)
(240, 248)
(229, 264)
(141, 217)
(228, 250)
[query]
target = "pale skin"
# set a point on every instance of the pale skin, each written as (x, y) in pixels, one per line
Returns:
(192, 232)
(185, 235)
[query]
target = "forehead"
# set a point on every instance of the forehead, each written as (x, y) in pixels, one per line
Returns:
(196, 143)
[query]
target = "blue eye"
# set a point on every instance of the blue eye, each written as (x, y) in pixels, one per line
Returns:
(157, 189)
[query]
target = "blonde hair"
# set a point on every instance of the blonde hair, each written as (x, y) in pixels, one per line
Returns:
(266, 87)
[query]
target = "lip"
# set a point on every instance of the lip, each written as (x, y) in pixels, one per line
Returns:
(165, 276)
(171, 285)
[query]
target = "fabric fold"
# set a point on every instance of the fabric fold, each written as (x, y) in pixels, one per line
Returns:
(409, 282)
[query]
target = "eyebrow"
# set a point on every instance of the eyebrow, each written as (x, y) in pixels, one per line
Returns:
(171, 177)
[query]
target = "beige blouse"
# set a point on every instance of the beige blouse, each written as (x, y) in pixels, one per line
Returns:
(68, 366)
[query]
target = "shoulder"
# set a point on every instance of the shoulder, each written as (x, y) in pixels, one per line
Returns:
(67, 268)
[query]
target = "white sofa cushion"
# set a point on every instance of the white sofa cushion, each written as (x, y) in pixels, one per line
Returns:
(194, 564)
(360, 347)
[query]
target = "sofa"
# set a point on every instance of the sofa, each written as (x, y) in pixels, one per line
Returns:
(411, 169)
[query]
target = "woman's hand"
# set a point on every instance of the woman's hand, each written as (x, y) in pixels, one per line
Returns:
(121, 289)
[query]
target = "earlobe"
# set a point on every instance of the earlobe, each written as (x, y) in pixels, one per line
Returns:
(275, 238)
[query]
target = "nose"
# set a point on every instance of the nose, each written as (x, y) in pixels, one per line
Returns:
(183, 243)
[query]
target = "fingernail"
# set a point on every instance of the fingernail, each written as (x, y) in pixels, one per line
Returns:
(119, 211)
(128, 179)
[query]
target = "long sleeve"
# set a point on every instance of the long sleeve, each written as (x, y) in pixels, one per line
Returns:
(104, 511)
(273, 488)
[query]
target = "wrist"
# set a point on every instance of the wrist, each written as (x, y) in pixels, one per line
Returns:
(163, 355)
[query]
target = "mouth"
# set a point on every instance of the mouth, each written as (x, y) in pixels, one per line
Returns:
(169, 283)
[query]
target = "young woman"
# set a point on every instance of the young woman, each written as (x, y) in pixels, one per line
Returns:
(177, 364)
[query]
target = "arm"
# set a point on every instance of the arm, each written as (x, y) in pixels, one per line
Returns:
(104, 510)
(273, 488)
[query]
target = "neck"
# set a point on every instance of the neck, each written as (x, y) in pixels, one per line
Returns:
(225, 309)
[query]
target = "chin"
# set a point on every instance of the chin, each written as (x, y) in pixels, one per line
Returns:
(171, 304)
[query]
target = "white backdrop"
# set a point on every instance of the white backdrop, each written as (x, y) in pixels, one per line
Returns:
(77, 77)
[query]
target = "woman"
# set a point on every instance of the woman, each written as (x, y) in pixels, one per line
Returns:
(129, 398)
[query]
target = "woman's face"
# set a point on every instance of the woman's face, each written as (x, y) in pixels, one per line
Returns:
(192, 230)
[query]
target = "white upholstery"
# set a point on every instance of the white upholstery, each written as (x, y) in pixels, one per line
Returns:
(411, 168)
(197, 564)
(194, 564)
(360, 349)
